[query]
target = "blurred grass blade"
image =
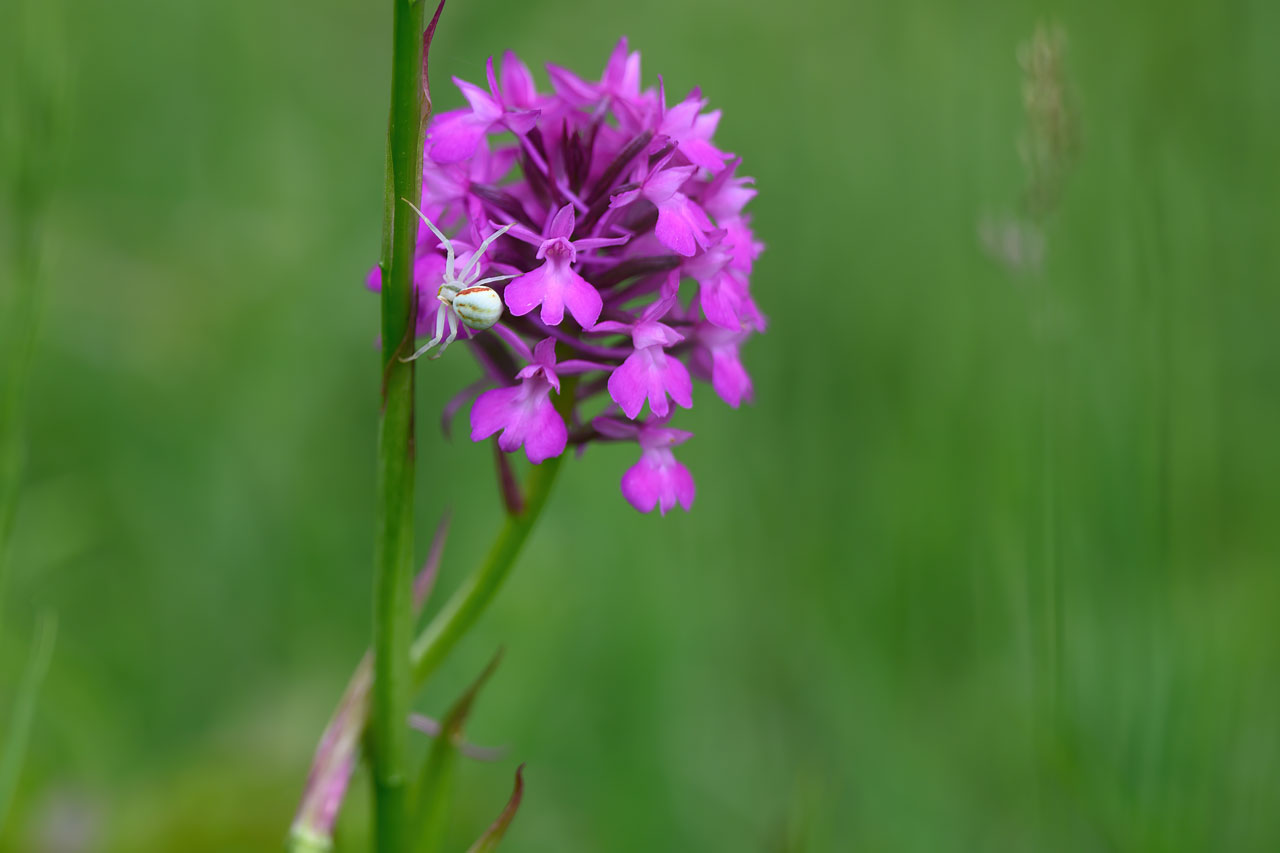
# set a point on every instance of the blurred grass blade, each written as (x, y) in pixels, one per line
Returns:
(32, 123)
(493, 835)
(24, 711)
(426, 579)
(435, 782)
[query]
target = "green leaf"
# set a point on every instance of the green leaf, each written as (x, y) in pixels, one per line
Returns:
(492, 835)
(435, 782)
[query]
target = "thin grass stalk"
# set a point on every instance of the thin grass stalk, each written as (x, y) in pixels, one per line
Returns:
(392, 612)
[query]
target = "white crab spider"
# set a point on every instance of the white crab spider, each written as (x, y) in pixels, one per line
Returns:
(464, 300)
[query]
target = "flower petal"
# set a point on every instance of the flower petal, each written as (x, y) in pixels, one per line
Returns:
(582, 299)
(629, 384)
(702, 153)
(682, 226)
(492, 412)
(641, 486)
(525, 293)
(546, 435)
(676, 382)
(719, 298)
(562, 225)
(521, 122)
(517, 83)
(483, 104)
(728, 377)
(656, 381)
(455, 139)
(614, 428)
(623, 199)
(682, 481)
(571, 87)
(665, 183)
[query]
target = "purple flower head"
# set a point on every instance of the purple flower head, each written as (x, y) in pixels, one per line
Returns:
(621, 215)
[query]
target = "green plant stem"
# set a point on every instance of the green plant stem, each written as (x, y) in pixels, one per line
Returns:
(470, 600)
(393, 595)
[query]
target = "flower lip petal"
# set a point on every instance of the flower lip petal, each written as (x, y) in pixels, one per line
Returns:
(489, 413)
(642, 487)
(629, 384)
(547, 435)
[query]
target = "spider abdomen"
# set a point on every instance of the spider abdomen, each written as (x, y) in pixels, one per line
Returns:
(478, 306)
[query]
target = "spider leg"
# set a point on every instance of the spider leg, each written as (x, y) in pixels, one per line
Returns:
(492, 279)
(480, 251)
(440, 312)
(454, 322)
(448, 245)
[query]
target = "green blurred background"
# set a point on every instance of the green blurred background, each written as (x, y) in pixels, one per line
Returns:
(991, 564)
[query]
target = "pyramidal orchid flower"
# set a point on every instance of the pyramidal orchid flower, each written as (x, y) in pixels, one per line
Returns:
(456, 134)
(715, 357)
(620, 81)
(555, 285)
(524, 413)
(649, 373)
(682, 225)
(518, 88)
(728, 194)
(657, 480)
(691, 131)
(618, 213)
(722, 291)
